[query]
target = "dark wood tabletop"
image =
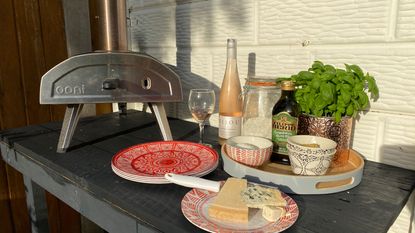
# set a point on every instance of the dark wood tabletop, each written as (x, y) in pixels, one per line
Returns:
(372, 206)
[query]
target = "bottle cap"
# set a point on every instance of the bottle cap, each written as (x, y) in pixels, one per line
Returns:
(287, 85)
(231, 43)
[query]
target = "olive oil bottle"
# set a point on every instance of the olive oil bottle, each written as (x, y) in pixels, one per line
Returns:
(284, 122)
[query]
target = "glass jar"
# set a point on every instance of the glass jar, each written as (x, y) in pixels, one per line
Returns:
(260, 96)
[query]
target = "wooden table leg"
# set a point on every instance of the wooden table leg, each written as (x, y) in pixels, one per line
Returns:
(36, 203)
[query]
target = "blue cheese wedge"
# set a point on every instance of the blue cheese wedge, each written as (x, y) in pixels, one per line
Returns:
(256, 196)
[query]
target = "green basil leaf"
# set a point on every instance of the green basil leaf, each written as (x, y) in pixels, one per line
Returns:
(373, 88)
(346, 87)
(363, 99)
(318, 113)
(348, 68)
(355, 104)
(340, 73)
(340, 101)
(326, 92)
(305, 106)
(332, 107)
(349, 78)
(337, 116)
(357, 71)
(350, 110)
(327, 76)
(346, 96)
(315, 83)
(305, 75)
(330, 69)
(319, 103)
(355, 109)
(358, 87)
(317, 65)
(310, 100)
(335, 80)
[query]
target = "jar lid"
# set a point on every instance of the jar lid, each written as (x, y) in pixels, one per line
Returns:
(256, 81)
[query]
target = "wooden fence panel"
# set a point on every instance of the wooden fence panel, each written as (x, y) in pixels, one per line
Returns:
(32, 41)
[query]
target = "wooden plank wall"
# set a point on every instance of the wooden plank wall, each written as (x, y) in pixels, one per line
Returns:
(31, 42)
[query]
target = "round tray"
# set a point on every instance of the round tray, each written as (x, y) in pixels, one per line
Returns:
(335, 180)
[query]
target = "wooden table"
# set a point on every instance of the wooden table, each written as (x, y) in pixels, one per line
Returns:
(83, 179)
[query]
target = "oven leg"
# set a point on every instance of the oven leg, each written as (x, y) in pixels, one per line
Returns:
(70, 121)
(158, 110)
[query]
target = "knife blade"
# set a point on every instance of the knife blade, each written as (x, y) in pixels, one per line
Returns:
(193, 182)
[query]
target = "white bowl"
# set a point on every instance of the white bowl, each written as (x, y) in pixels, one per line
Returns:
(307, 160)
(249, 150)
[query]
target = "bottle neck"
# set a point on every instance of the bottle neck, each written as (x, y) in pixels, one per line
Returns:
(231, 53)
(287, 93)
(231, 49)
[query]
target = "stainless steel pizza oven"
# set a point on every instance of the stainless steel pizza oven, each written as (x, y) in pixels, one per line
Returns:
(109, 76)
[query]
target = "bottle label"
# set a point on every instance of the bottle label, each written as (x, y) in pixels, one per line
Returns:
(229, 126)
(283, 126)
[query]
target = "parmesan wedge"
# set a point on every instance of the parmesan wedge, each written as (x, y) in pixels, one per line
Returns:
(228, 204)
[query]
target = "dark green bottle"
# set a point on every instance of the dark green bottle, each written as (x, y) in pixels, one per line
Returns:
(284, 122)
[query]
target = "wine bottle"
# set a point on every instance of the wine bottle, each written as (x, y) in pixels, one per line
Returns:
(230, 99)
(284, 122)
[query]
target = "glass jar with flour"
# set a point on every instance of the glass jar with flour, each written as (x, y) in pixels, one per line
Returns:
(260, 95)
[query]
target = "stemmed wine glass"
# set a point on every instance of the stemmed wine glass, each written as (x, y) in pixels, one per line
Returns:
(201, 105)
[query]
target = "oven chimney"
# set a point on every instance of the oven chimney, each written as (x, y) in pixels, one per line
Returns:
(108, 25)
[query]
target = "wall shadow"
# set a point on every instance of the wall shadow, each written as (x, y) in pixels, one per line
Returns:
(185, 12)
(183, 28)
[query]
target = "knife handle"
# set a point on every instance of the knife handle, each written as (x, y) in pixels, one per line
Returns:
(193, 182)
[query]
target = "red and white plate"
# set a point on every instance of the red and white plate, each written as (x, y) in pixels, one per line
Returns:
(195, 208)
(148, 162)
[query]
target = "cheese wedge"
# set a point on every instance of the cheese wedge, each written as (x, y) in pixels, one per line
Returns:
(273, 213)
(228, 204)
(256, 196)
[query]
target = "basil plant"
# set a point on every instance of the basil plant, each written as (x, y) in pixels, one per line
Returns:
(324, 90)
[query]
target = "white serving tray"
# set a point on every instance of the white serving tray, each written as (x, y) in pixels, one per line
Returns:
(335, 180)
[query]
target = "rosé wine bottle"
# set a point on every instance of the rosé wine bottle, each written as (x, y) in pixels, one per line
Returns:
(230, 99)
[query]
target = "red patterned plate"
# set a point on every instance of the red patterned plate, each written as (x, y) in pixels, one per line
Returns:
(154, 159)
(195, 206)
(151, 180)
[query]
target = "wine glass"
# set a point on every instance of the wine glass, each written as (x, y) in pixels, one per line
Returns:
(201, 105)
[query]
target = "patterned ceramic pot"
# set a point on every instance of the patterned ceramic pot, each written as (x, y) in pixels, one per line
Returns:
(249, 150)
(310, 155)
(326, 127)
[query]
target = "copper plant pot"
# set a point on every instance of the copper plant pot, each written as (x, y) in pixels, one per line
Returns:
(326, 127)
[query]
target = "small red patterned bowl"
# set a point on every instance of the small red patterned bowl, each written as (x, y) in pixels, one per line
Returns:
(249, 150)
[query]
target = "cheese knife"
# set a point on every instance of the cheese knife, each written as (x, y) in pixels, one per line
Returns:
(193, 182)
(215, 186)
